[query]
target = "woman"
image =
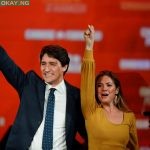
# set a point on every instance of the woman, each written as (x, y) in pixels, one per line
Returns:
(109, 123)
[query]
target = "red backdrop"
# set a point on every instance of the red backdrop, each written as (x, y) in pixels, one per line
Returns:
(122, 45)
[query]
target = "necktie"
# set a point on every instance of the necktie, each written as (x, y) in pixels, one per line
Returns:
(47, 143)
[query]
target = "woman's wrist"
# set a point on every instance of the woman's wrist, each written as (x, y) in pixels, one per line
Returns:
(89, 48)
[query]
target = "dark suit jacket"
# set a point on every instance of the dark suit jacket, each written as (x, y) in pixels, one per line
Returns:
(31, 90)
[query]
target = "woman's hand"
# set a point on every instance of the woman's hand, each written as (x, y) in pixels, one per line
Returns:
(89, 37)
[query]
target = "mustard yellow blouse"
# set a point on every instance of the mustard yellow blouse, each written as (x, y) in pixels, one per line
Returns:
(103, 134)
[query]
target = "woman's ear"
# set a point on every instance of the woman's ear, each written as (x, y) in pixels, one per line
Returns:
(117, 91)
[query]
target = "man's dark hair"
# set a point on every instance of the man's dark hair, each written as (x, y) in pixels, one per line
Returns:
(56, 52)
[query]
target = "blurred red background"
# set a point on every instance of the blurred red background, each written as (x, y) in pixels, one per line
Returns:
(122, 44)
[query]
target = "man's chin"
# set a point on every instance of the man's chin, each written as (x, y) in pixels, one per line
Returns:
(48, 81)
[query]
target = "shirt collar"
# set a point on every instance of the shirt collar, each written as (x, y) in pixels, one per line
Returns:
(60, 87)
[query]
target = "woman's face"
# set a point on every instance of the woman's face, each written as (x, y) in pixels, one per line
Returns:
(106, 90)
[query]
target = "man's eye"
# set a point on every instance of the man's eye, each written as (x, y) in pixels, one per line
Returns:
(53, 64)
(43, 64)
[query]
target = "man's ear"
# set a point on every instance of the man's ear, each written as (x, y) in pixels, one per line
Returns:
(65, 68)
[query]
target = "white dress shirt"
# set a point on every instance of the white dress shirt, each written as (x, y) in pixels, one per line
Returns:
(59, 129)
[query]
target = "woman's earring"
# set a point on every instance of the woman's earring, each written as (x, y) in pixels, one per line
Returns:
(116, 99)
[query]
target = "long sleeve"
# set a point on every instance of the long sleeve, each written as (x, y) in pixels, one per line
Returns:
(12, 72)
(133, 140)
(88, 83)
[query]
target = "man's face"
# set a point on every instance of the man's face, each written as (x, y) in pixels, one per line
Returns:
(52, 70)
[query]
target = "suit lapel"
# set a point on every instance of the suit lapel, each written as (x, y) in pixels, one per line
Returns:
(68, 107)
(41, 91)
(70, 110)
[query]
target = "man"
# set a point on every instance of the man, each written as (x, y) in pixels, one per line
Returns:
(27, 130)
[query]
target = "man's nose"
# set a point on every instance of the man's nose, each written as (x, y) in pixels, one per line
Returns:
(47, 67)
